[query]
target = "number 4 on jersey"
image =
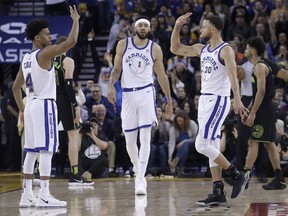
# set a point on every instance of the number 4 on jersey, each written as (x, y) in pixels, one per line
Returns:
(29, 83)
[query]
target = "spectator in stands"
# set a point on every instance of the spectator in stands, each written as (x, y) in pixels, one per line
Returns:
(104, 75)
(182, 135)
(98, 98)
(159, 143)
(114, 32)
(106, 127)
(239, 26)
(282, 58)
(279, 11)
(87, 90)
(92, 155)
(238, 55)
(181, 97)
(159, 36)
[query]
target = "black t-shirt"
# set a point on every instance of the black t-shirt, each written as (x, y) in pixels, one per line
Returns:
(89, 149)
(269, 86)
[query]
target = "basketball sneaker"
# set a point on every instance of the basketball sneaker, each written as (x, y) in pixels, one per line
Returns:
(140, 186)
(49, 201)
(239, 184)
(275, 184)
(27, 201)
(214, 199)
(76, 180)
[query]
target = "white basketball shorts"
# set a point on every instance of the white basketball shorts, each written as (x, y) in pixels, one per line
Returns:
(212, 111)
(40, 125)
(138, 109)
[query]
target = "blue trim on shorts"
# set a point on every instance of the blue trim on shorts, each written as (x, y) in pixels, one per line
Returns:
(46, 125)
(54, 125)
(211, 117)
(133, 129)
(219, 119)
(30, 150)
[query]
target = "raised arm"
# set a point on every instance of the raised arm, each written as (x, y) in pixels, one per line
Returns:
(162, 77)
(176, 47)
(116, 71)
(50, 51)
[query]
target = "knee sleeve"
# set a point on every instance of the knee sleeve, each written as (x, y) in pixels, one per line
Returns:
(29, 162)
(205, 147)
(45, 163)
(131, 145)
(216, 144)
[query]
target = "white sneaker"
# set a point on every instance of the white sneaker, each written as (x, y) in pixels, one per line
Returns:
(140, 186)
(49, 201)
(51, 211)
(127, 174)
(27, 201)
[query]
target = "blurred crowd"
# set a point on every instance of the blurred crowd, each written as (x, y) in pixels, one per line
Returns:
(172, 143)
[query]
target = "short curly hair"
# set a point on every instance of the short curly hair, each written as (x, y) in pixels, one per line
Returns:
(258, 44)
(34, 27)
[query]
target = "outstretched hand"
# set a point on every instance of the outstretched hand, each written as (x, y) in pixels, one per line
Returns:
(183, 19)
(73, 13)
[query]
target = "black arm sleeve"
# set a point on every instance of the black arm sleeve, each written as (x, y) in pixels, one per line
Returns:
(70, 92)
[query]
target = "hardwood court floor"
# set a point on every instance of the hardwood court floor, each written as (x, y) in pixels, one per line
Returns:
(166, 197)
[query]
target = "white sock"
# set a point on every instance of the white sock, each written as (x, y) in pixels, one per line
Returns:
(44, 190)
(27, 186)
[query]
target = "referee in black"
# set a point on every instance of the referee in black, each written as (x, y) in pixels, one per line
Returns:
(69, 111)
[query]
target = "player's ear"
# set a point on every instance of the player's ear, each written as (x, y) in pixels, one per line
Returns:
(37, 37)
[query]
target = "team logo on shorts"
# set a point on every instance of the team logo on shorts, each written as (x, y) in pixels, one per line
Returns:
(258, 131)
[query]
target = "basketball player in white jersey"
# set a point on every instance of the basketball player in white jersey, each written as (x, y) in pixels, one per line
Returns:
(40, 113)
(218, 71)
(139, 57)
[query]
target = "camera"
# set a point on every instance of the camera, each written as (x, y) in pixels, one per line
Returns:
(86, 127)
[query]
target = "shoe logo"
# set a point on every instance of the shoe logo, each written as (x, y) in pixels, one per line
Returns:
(282, 183)
(46, 201)
(80, 181)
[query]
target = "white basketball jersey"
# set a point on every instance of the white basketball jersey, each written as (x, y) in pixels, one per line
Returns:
(137, 65)
(40, 83)
(214, 74)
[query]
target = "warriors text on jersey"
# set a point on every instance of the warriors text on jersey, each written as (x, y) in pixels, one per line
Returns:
(137, 65)
(40, 83)
(215, 79)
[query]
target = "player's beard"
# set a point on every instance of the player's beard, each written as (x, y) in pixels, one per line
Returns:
(142, 37)
(206, 38)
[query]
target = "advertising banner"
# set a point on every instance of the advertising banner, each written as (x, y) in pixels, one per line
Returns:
(13, 43)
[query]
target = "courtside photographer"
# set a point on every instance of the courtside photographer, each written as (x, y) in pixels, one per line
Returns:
(93, 161)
